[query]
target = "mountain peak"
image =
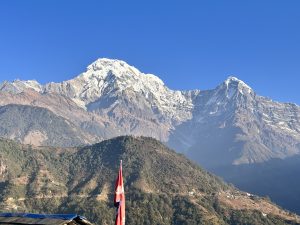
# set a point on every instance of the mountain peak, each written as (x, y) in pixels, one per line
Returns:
(18, 86)
(234, 85)
(118, 67)
(232, 80)
(109, 69)
(231, 87)
(104, 67)
(105, 62)
(106, 77)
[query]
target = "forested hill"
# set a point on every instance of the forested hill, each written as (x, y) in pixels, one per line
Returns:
(162, 187)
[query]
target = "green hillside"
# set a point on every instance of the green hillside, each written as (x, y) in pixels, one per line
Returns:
(162, 187)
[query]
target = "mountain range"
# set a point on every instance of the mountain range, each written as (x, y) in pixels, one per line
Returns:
(225, 128)
(161, 186)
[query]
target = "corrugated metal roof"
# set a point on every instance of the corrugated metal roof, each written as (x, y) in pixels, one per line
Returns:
(41, 219)
(40, 216)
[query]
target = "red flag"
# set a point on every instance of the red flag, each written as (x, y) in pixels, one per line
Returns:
(119, 199)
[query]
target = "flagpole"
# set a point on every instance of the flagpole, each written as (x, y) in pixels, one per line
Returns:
(119, 198)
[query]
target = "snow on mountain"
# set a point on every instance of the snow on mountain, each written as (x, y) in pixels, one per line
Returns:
(229, 125)
(18, 86)
(239, 83)
(106, 76)
(111, 77)
(230, 120)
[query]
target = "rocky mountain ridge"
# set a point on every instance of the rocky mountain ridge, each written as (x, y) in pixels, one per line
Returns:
(107, 77)
(113, 98)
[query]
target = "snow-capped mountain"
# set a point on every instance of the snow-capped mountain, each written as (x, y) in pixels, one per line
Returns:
(107, 77)
(233, 125)
(227, 125)
(230, 129)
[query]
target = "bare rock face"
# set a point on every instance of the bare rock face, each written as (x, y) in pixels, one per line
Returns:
(230, 124)
(38, 126)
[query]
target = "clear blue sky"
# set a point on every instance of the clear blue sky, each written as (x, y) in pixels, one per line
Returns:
(188, 44)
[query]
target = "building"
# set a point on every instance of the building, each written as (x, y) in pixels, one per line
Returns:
(42, 219)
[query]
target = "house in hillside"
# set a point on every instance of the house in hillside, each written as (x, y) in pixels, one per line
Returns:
(42, 219)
